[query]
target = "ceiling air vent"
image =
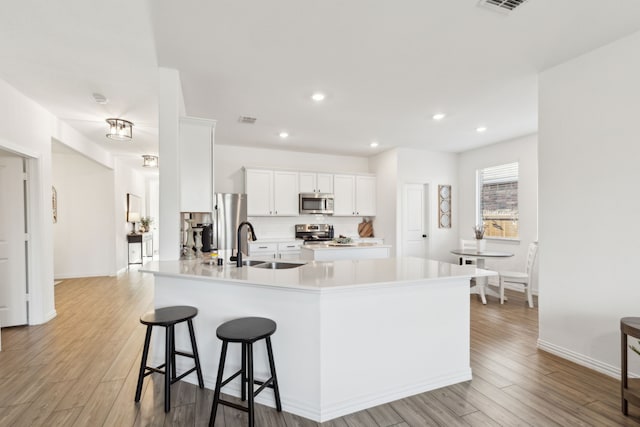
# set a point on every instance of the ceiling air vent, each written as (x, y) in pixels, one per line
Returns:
(502, 6)
(246, 119)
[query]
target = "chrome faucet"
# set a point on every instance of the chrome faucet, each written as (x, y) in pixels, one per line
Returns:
(253, 237)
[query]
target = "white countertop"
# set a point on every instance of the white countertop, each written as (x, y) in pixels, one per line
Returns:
(333, 246)
(321, 275)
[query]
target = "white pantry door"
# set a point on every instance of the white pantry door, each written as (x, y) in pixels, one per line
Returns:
(415, 221)
(13, 276)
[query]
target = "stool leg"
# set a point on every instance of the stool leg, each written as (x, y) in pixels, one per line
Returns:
(243, 375)
(143, 363)
(216, 393)
(168, 355)
(196, 357)
(272, 366)
(250, 383)
(174, 374)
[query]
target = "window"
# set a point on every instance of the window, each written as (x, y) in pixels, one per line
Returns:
(498, 201)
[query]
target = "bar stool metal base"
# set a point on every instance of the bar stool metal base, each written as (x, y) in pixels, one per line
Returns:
(245, 331)
(168, 317)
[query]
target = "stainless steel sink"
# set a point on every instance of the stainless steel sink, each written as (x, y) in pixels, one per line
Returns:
(277, 265)
(252, 262)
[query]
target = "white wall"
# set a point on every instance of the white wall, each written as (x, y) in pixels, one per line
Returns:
(26, 130)
(385, 166)
(589, 203)
(84, 233)
(229, 178)
(523, 150)
(433, 168)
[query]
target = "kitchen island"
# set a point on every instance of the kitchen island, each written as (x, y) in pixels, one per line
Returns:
(336, 251)
(351, 334)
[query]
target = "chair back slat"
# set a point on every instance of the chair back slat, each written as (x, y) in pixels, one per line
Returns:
(531, 257)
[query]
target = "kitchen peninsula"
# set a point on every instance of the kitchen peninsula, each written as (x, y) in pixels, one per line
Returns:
(351, 334)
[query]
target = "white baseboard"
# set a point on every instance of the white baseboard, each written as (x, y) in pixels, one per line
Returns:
(581, 359)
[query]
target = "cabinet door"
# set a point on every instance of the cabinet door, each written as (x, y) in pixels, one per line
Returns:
(365, 195)
(196, 164)
(307, 182)
(324, 183)
(343, 190)
(259, 189)
(285, 193)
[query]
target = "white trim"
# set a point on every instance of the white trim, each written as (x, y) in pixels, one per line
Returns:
(50, 315)
(581, 359)
(18, 149)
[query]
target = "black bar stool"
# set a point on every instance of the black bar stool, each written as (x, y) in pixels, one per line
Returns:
(246, 331)
(169, 317)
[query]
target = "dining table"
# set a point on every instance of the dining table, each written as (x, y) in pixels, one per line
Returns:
(481, 286)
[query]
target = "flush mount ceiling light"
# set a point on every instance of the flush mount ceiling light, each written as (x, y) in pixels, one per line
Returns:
(481, 129)
(120, 129)
(318, 96)
(284, 135)
(149, 161)
(374, 144)
(439, 116)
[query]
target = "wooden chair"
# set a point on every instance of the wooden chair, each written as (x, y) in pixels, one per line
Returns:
(520, 278)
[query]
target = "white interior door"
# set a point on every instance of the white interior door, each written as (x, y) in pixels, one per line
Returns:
(415, 223)
(13, 276)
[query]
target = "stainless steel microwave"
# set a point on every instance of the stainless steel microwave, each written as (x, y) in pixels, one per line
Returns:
(316, 203)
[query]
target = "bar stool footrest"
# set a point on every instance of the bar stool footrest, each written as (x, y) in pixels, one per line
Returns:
(176, 379)
(233, 405)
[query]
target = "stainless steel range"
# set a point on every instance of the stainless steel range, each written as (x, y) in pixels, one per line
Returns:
(314, 233)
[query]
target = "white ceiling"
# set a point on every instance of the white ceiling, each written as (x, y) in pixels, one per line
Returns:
(385, 66)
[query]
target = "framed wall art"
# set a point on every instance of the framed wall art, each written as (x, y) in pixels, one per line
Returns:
(444, 206)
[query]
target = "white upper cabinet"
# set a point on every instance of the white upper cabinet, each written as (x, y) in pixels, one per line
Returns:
(259, 189)
(344, 195)
(196, 164)
(365, 195)
(311, 182)
(271, 192)
(285, 193)
(355, 195)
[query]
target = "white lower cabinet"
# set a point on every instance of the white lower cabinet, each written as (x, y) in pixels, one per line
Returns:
(263, 250)
(289, 250)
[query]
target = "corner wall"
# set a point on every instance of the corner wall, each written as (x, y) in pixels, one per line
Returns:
(589, 204)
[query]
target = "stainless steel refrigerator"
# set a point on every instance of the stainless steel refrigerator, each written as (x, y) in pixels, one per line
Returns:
(230, 209)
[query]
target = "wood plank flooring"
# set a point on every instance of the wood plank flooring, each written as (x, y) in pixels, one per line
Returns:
(80, 369)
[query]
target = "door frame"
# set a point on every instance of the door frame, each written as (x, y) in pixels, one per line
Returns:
(39, 262)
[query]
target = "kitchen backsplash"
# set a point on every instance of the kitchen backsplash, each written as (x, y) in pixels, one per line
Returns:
(284, 227)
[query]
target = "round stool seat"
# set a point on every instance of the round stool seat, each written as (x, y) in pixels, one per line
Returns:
(246, 329)
(167, 316)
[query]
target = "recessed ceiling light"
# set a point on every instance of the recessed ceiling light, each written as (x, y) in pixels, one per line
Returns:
(318, 96)
(439, 116)
(284, 135)
(374, 144)
(481, 129)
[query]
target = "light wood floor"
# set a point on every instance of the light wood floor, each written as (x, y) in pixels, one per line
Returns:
(80, 370)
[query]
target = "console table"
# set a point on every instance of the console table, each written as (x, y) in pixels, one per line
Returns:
(138, 247)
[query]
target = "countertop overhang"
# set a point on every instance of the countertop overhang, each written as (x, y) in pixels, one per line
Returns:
(322, 275)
